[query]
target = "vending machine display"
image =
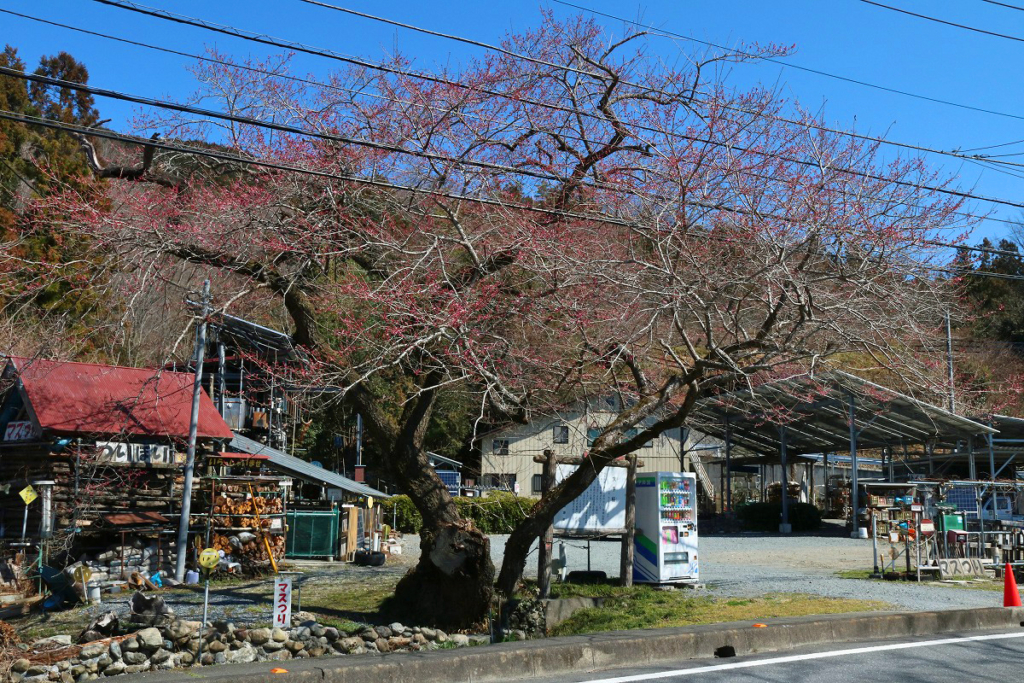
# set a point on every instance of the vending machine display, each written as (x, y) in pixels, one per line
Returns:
(665, 545)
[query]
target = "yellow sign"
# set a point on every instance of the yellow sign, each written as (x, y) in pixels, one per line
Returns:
(369, 502)
(83, 574)
(28, 494)
(209, 558)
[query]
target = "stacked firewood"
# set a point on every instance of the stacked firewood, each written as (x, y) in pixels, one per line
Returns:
(248, 547)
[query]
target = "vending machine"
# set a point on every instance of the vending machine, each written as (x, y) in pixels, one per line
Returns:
(665, 545)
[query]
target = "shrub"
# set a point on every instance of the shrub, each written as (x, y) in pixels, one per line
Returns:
(767, 516)
(498, 513)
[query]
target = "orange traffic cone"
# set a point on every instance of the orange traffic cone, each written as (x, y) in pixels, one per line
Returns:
(1011, 598)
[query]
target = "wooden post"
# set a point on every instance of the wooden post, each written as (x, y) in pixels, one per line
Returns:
(547, 482)
(626, 563)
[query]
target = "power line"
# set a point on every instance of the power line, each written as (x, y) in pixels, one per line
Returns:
(1003, 4)
(665, 33)
(234, 158)
(437, 157)
(517, 55)
(328, 86)
(330, 54)
(943, 21)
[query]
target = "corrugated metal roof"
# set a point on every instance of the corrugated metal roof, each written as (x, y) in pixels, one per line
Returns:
(86, 398)
(302, 469)
(815, 412)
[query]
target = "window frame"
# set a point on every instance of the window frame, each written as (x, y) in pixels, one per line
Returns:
(560, 430)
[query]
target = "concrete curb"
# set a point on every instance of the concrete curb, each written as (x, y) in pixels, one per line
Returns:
(575, 654)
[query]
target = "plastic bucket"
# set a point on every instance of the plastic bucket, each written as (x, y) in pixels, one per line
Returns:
(862, 532)
(94, 595)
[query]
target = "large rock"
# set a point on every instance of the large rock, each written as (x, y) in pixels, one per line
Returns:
(93, 650)
(105, 625)
(52, 642)
(115, 650)
(279, 635)
(352, 646)
(279, 656)
(149, 609)
(382, 631)
(160, 656)
(460, 640)
(20, 666)
(150, 638)
(243, 655)
(216, 646)
(272, 646)
(331, 633)
(295, 646)
(179, 629)
(114, 669)
(135, 658)
(259, 636)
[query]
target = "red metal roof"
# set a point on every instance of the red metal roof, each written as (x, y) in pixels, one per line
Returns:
(85, 398)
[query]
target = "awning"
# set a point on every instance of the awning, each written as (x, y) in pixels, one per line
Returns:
(301, 469)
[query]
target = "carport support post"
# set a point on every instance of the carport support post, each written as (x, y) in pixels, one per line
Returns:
(784, 527)
(992, 475)
(854, 502)
(626, 561)
(193, 428)
(728, 466)
(547, 481)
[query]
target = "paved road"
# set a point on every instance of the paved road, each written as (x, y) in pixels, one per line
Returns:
(970, 657)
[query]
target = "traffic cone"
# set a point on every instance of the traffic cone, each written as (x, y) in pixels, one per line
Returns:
(1011, 598)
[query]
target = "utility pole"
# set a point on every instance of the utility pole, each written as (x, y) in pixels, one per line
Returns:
(949, 362)
(193, 428)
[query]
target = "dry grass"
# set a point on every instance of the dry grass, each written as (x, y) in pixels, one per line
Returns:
(646, 607)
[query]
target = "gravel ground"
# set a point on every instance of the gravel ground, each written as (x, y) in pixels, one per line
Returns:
(744, 565)
(739, 565)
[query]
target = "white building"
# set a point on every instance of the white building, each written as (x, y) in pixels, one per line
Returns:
(507, 455)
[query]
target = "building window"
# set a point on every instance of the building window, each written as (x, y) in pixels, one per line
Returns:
(537, 484)
(592, 435)
(560, 433)
(499, 447)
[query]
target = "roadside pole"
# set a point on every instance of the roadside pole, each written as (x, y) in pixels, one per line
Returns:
(626, 562)
(193, 428)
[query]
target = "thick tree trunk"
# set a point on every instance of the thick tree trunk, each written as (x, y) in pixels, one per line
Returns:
(453, 583)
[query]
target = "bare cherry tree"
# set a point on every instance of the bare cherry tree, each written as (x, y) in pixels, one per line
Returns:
(565, 219)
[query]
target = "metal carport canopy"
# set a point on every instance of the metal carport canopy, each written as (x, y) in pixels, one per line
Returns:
(815, 411)
(303, 470)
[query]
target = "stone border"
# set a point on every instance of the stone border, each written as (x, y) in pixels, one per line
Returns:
(554, 656)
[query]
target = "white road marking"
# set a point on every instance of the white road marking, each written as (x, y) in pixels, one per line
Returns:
(799, 658)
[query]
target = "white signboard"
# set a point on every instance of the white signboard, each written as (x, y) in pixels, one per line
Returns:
(602, 507)
(283, 602)
(19, 431)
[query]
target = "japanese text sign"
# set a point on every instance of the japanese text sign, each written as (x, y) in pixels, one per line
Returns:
(283, 602)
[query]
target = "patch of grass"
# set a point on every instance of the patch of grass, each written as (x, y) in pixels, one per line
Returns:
(854, 574)
(645, 607)
(971, 582)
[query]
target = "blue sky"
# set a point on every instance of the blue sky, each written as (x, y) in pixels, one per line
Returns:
(846, 37)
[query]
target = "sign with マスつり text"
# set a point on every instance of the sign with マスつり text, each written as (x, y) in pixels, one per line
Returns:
(21, 430)
(283, 602)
